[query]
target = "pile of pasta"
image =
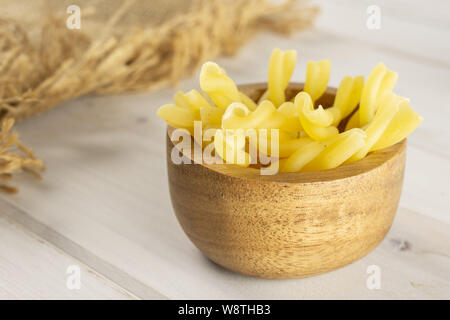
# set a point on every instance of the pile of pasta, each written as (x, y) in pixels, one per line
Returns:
(309, 138)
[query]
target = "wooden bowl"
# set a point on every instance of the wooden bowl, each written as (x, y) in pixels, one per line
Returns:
(288, 225)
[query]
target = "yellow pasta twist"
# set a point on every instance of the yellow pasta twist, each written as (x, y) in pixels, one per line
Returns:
(322, 155)
(238, 116)
(405, 121)
(385, 113)
(281, 67)
(249, 103)
(347, 98)
(229, 145)
(307, 137)
(353, 122)
(292, 121)
(265, 116)
(211, 116)
(317, 76)
(380, 82)
(287, 144)
(220, 87)
(178, 117)
(317, 123)
(192, 99)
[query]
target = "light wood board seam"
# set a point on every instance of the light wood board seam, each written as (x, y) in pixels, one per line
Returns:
(133, 287)
(13, 226)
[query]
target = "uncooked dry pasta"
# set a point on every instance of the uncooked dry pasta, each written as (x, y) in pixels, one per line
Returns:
(177, 116)
(309, 136)
(265, 116)
(212, 116)
(375, 128)
(281, 66)
(317, 123)
(192, 99)
(230, 146)
(347, 97)
(317, 76)
(220, 87)
(405, 121)
(379, 83)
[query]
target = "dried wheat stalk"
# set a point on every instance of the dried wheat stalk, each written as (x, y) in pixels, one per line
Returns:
(15, 157)
(63, 64)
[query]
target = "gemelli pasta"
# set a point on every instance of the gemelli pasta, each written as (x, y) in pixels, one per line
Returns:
(365, 116)
(281, 67)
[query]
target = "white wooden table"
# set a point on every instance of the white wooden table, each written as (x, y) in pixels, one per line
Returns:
(103, 204)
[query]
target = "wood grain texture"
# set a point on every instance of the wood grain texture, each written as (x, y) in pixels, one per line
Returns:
(287, 225)
(31, 268)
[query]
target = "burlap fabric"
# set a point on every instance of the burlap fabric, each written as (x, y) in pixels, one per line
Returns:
(120, 46)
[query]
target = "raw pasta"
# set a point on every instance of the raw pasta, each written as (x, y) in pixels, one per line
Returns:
(230, 146)
(220, 87)
(347, 97)
(379, 83)
(317, 76)
(308, 138)
(317, 123)
(281, 67)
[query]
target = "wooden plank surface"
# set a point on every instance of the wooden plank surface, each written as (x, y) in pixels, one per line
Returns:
(31, 268)
(104, 197)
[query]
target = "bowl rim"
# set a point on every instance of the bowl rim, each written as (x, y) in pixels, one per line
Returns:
(372, 161)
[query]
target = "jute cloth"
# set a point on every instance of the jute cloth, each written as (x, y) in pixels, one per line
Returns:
(120, 46)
